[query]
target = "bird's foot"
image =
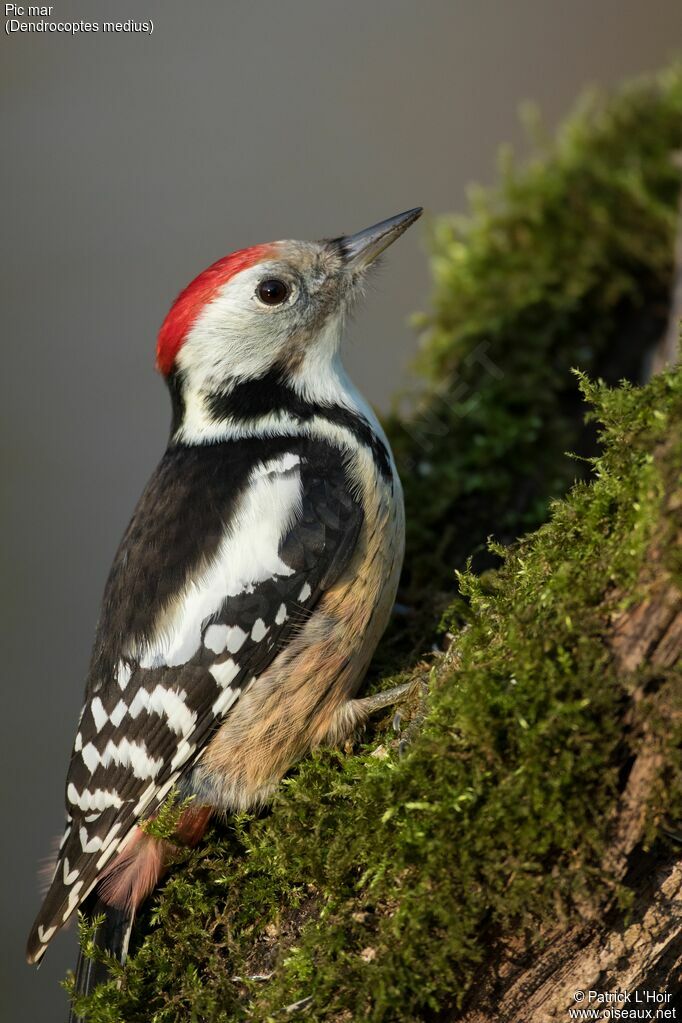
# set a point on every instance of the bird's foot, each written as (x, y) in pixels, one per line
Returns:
(378, 701)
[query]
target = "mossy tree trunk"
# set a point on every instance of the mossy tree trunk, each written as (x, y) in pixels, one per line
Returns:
(639, 946)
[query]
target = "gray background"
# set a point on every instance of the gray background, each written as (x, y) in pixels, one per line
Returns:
(130, 163)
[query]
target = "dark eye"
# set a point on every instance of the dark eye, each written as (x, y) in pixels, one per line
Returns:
(272, 291)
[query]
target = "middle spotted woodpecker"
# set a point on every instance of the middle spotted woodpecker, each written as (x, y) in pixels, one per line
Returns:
(252, 585)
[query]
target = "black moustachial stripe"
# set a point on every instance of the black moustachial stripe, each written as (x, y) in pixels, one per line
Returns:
(175, 384)
(270, 393)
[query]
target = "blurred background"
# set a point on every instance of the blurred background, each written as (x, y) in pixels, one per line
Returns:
(130, 163)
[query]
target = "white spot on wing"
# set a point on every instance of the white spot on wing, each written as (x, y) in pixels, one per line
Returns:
(139, 703)
(215, 638)
(118, 713)
(224, 673)
(305, 592)
(182, 753)
(89, 845)
(69, 875)
(281, 615)
(225, 701)
(73, 900)
(106, 855)
(259, 630)
(235, 639)
(45, 934)
(111, 835)
(165, 789)
(146, 798)
(180, 718)
(67, 832)
(90, 757)
(123, 673)
(99, 714)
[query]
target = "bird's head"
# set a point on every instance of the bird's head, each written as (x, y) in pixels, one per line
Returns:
(273, 308)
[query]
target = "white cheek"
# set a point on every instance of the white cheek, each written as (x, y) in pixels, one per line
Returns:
(235, 334)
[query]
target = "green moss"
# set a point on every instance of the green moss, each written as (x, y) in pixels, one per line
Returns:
(567, 262)
(165, 823)
(379, 879)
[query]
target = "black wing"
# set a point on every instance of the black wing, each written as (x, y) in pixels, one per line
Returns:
(229, 548)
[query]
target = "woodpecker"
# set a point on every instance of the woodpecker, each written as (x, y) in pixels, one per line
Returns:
(251, 586)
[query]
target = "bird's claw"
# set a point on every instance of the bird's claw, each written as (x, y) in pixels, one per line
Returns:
(387, 698)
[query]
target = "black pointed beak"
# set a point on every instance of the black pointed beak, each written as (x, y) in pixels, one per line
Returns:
(361, 249)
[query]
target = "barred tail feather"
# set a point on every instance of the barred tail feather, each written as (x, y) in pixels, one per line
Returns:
(112, 936)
